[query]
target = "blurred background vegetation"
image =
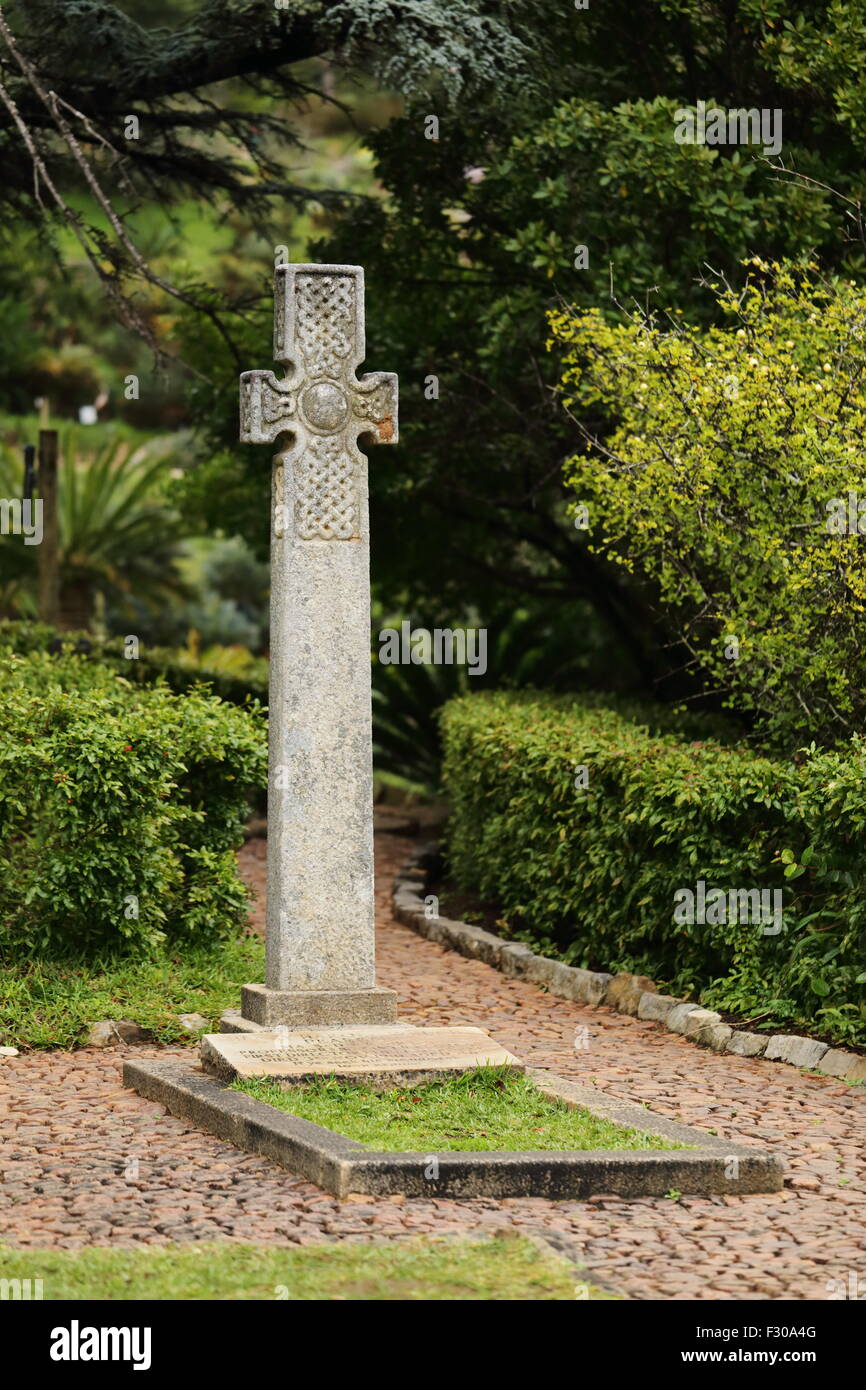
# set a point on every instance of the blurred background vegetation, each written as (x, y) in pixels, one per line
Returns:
(299, 133)
(160, 156)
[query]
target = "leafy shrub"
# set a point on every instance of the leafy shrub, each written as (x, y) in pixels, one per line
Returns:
(236, 680)
(529, 644)
(535, 643)
(591, 872)
(729, 456)
(121, 808)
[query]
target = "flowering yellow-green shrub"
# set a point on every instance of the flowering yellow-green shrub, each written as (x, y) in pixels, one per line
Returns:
(584, 826)
(728, 466)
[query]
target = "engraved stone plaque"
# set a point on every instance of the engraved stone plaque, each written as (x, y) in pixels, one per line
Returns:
(389, 1050)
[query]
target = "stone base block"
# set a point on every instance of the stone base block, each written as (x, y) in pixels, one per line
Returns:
(233, 1021)
(317, 1008)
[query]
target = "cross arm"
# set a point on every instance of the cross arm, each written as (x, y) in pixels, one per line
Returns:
(268, 407)
(375, 403)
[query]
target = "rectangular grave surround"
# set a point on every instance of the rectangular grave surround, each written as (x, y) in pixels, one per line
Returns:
(342, 1166)
(388, 1051)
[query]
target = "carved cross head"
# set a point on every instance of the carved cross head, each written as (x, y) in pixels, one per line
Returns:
(321, 403)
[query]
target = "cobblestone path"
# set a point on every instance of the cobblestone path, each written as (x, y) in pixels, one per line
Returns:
(86, 1162)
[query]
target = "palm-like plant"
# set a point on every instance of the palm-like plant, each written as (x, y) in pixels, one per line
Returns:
(554, 649)
(118, 537)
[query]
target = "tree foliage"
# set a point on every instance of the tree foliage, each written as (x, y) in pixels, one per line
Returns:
(95, 105)
(105, 66)
(555, 133)
(478, 239)
(119, 541)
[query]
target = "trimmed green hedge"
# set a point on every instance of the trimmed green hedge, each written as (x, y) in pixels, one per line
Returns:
(153, 664)
(121, 808)
(591, 873)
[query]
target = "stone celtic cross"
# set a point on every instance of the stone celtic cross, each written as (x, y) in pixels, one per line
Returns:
(320, 966)
(319, 332)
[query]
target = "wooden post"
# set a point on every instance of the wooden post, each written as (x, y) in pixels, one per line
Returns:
(29, 472)
(48, 557)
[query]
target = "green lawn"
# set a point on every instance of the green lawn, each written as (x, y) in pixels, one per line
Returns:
(49, 1003)
(503, 1268)
(484, 1109)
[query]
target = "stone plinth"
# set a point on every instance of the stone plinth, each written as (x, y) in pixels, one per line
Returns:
(317, 1008)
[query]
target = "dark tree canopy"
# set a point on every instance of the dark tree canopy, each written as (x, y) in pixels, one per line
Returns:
(463, 268)
(95, 105)
(104, 63)
(556, 132)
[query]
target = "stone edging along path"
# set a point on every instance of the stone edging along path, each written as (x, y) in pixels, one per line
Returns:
(627, 994)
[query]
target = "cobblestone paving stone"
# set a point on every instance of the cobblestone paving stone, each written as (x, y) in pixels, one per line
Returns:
(85, 1162)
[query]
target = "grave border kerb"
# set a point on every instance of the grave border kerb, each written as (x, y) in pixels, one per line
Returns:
(342, 1166)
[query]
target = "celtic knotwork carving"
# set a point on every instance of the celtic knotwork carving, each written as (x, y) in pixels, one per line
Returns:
(277, 406)
(319, 337)
(279, 325)
(375, 404)
(325, 505)
(325, 321)
(247, 389)
(268, 407)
